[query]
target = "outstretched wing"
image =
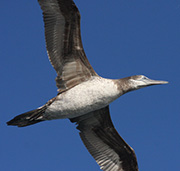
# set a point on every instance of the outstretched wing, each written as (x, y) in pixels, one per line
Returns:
(104, 143)
(63, 43)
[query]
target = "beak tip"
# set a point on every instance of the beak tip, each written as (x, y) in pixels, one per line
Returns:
(156, 82)
(165, 82)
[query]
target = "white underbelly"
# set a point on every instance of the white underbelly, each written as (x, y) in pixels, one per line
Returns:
(84, 98)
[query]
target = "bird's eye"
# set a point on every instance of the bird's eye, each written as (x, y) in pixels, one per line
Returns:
(143, 78)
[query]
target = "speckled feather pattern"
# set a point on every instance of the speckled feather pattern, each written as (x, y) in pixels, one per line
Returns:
(88, 96)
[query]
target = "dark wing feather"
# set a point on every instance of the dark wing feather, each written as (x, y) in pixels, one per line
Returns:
(63, 43)
(103, 142)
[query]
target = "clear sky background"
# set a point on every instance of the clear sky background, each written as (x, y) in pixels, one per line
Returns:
(121, 38)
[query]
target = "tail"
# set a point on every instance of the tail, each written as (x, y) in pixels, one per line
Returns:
(28, 118)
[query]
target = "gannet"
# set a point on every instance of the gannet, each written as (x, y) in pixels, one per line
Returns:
(83, 96)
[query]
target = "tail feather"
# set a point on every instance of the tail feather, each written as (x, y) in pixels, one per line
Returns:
(28, 118)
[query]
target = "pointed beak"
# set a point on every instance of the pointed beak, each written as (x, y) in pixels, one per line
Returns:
(155, 82)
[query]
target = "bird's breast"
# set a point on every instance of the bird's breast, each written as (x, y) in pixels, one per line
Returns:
(83, 98)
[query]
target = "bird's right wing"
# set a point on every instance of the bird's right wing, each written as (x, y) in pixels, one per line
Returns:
(63, 43)
(104, 143)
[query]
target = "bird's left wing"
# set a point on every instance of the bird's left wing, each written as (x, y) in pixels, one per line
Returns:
(104, 143)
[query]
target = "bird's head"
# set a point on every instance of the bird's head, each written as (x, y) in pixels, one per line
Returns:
(140, 81)
(136, 82)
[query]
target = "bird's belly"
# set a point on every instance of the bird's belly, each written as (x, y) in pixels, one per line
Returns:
(84, 98)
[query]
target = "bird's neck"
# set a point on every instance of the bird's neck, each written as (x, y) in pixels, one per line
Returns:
(124, 85)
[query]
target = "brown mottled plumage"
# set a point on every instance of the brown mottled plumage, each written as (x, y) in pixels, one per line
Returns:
(83, 97)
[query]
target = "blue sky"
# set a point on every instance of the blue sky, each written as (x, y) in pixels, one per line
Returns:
(121, 38)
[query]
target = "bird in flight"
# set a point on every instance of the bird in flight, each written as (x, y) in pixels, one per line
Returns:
(83, 96)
